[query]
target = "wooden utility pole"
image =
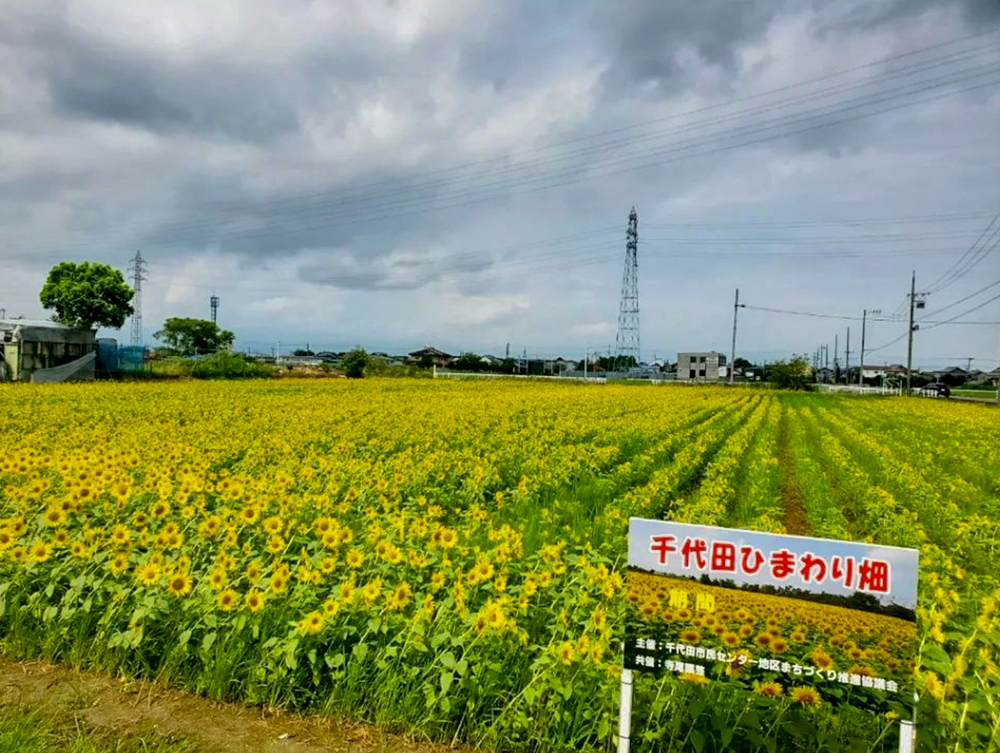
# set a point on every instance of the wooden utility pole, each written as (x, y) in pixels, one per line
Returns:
(732, 352)
(909, 337)
(861, 368)
(847, 358)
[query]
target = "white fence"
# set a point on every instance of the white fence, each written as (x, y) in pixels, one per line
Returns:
(857, 389)
(442, 374)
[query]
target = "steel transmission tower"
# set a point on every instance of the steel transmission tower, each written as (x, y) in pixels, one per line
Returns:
(627, 340)
(214, 302)
(137, 269)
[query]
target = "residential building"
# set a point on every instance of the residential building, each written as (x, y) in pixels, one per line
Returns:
(437, 357)
(702, 367)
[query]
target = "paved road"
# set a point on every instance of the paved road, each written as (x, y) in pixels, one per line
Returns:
(984, 400)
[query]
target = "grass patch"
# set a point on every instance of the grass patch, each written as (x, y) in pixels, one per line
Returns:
(23, 731)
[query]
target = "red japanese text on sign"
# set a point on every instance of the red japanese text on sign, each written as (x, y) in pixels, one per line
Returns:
(724, 558)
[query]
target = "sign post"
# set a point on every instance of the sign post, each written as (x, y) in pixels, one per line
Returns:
(815, 621)
(625, 715)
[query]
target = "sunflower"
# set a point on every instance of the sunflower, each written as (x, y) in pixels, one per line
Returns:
(821, 659)
(354, 559)
(312, 624)
(160, 509)
(227, 600)
(371, 591)
(566, 652)
(278, 583)
(400, 597)
(345, 592)
(694, 679)
(119, 563)
(54, 516)
(180, 584)
(691, 636)
(254, 600)
(272, 525)
(217, 579)
(806, 696)
(253, 572)
(40, 551)
(148, 574)
(768, 689)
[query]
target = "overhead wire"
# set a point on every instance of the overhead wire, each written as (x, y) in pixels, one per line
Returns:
(969, 258)
(624, 162)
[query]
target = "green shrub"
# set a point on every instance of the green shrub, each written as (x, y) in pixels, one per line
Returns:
(223, 365)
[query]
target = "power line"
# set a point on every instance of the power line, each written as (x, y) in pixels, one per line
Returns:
(622, 163)
(964, 313)
(964, 298)
(955, 271)
(845, 317)
(355, 193)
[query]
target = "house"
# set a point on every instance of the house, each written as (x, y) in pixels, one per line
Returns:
(561, 365)
(954, 376)
(431, 354)
(42, 351)
(989, 378)
(312, 361)
(702, 366)
(874, 372)
(824, 374)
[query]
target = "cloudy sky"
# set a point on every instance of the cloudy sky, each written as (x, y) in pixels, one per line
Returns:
(459, 173)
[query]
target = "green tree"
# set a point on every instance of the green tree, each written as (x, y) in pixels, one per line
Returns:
(469, 362)
(192, 336)
(790, 375)
(354, 362)
(87, 294)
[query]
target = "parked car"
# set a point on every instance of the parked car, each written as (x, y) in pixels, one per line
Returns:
(938, 389)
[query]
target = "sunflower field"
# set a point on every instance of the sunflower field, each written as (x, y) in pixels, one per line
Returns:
(448, 559)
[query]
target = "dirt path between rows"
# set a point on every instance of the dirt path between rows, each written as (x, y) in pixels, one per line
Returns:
(119, 708)
(795, 519)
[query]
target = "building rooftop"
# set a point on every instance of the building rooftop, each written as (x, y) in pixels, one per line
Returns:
(12, 323)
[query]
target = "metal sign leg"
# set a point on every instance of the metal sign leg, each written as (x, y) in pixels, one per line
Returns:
(625, 712)
(906, 731)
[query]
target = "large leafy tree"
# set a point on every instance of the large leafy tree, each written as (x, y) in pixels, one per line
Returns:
(87, 294)
(790, 375)
(191, 336)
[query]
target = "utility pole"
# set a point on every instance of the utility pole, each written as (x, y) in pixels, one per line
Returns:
(847, 358)
(998, 379)
(968, 364)
(909, 338)
(836, 359)
(732, 353)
